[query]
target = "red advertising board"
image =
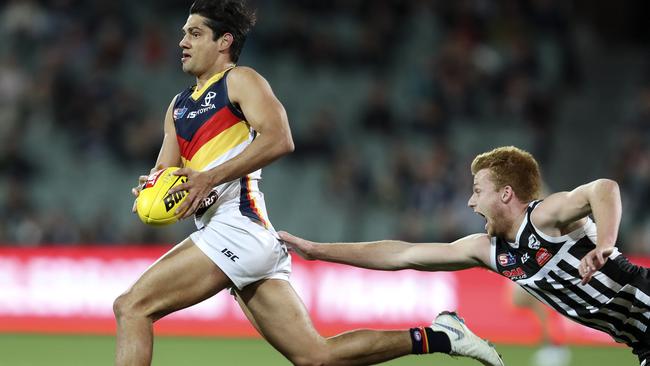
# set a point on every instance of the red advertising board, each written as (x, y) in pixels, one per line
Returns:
(71, 290)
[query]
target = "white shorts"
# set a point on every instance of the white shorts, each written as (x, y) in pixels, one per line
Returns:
(244, 250)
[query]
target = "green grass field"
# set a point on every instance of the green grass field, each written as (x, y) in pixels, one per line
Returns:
(54, 350)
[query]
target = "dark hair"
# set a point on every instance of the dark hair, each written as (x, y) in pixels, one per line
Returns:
(227, 16)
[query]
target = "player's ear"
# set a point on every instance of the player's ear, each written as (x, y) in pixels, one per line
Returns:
(507, 194)
(225, 41)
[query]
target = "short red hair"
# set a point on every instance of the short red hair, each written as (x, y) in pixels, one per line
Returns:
(514, 167)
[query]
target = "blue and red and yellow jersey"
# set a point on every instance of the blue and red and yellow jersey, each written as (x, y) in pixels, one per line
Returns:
(208, 125)
(211, 130)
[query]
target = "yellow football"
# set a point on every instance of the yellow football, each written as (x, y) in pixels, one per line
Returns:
(155, 205)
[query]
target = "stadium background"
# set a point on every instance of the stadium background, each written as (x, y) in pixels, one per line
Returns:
(388, 102)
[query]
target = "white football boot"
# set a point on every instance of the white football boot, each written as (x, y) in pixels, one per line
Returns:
(464, 342)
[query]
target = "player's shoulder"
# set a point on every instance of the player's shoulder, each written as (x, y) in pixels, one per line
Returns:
(176, 97)
(172, 104)
(243, 81)
(544, 214)
(477, 247)
(243, 74)
(183, 94)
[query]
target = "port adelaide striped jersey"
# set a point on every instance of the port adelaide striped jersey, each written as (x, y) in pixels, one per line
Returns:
(615, 301)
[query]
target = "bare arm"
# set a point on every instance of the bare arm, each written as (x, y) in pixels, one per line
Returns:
(267, 117)
(391, 255)
(560, 212)
(169, 154)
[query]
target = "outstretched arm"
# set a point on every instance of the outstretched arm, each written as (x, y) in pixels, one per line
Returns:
(391, 255)
(601, 198)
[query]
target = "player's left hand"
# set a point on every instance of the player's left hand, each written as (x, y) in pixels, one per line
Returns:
(198, 186)
(592, 262)
(299, 245)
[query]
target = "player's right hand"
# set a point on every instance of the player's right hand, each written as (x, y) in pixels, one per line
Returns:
(301, 246)
(136, 190)
(592, 262)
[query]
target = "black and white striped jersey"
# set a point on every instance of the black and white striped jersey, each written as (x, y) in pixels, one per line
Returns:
(615, 301)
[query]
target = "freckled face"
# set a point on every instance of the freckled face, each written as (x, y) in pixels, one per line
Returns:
(486, 202)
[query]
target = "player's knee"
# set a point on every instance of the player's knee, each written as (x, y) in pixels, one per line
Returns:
(127, 305)
(120, 306)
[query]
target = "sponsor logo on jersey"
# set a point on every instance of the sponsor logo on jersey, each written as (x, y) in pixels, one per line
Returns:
(533, 242)
(542, 256)
(515, 274)
(179, 113)
(194, 114)
(206, 203)
(525, 258)
(207, 100)
(507, 259)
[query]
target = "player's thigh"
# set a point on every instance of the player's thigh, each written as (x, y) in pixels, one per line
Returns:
(282, 318)
(247, 312)
(182, 277)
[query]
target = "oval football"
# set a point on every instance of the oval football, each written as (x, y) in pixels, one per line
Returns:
(155, 205)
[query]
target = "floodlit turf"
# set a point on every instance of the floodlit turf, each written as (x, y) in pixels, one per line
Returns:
(54, 350)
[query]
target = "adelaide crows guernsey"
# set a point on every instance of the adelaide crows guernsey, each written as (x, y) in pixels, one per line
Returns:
(210, 131)
(616, 300)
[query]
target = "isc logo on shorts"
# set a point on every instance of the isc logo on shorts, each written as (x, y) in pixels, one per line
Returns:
(229, 254)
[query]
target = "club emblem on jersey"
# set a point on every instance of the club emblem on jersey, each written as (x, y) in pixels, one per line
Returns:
(514, 245)
(207, 100)
(506, 259)
(525, 258)
(542, 256)
(179, 113)
(533, 242)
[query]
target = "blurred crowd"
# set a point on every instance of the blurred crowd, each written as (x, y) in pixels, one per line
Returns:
(632, 171)
(431, 70)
